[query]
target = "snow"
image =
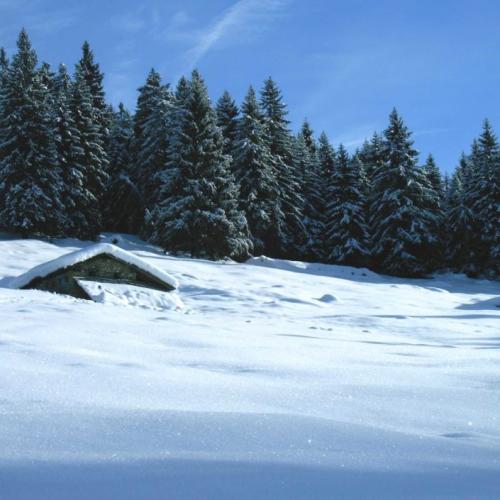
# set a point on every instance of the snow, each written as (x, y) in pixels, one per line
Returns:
(130, 295)
(70, 259)
(277, 379)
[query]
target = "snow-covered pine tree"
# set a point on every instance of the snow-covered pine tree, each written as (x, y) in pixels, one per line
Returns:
(30, 183)
(227, 120)
(489, 209)
(200, 215)
(372, 156)
(432, 197)
(91, 162)
(66, 136)
(46, 76)
(308, 167)
(402, 221)
(123, 205)
(164, 180)
(308, 134)
(326, 156)
(482, 197)
(256, 177)
(4, 61)
(326, 159)
(47, 79)
(458, 218)
(291, 229)
(493, 215)
(151, 137)
(470, 179)
(4, 66)
(434, 176)
(347, 229)
(121, 135)
(88, 70)
(76, 198)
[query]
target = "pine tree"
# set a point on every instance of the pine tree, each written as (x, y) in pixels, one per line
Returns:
(89, 71)
(326, 160)
(4, 67)
(4, 62)
(433, 200)
(308, 167)
(90, 162)
(227, 120)
(372, 157)
(256, 177)
(308, 135)
(166, 177)
(46, 76)
(489, 208)
(291, 230)
(75, 196)
(121, 135)
(458, 218)
(151, 136)
(123, 208)
(403, 239)
(434, 176)
(30, 183)
(48, 81)
(326, 156)
(347, 229)
(482, 198)
(201, 215)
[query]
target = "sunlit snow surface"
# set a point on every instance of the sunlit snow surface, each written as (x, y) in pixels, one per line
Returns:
(275, 380)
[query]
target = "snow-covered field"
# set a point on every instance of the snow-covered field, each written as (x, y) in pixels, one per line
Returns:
(276, 380)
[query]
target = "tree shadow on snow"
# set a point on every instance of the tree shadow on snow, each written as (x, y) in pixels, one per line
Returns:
(480, 305)
(191, 479)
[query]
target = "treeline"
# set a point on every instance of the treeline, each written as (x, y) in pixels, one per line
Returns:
(230, 181)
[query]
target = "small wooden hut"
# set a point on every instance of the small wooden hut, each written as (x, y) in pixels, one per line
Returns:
(102, 263)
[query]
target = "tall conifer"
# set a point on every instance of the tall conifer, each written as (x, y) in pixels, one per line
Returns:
(402, 221)
(30, 182)
(291, 229)
(256, 177)
(346, 228)
(227, 120)
(200, 215)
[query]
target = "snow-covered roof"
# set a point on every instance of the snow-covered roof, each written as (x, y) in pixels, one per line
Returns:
(73, 258)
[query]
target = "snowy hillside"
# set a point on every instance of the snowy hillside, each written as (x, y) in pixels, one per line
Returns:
(276, 380)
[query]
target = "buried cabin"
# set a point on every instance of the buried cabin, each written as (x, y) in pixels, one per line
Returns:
(77, 273)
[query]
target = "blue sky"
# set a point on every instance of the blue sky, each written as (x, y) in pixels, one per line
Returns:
(342, 64)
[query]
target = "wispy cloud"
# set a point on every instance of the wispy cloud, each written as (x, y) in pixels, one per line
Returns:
(36, 17)
(355, 137)
(245, 19)
(53, 21)
(193, 37)
(130, 22)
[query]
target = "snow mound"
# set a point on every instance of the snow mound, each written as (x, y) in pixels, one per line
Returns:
(73, 258)
(327, 298)
(130, 295)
